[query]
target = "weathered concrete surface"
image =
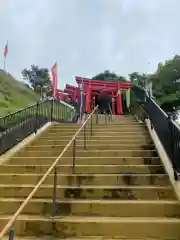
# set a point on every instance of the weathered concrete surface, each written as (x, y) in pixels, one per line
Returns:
(91, 192)
(118, 189)
(86, 207)
(88, 179)
(92, 169)
(87, 160)
(89, 226)
(92, 153)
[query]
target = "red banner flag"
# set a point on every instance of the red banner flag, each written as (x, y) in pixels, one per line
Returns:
(6, 50)
(54, 80)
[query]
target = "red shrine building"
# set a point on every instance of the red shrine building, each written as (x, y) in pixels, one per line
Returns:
(92, 88)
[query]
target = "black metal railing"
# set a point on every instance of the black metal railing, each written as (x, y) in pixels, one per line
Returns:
(51, 109)
(139, 93)
(21, 124)
(167, 130)
(136, 107)
(12, 119)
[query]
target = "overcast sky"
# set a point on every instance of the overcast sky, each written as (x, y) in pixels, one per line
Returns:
(89, 36)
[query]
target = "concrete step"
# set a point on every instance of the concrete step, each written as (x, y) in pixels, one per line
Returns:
(119, 129)
(88, 153)
(67, 226)
(113, 153)
(106, 208)
(100, 128)
(99, 125)
(93, 169)
(88, 179)
(108, 120)
(80, 146)
(99, 133)
(92, 142)
(86, 238)
(114, 118)
(126, 137)
(87, 160)
(115, 122)
(91, 192)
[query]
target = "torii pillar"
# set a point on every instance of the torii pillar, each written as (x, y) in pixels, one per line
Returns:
(88, 99)
(119, 102)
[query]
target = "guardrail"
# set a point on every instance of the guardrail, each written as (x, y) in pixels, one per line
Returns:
(19, 125)
(51, 109)
(167, 130)
(88, 123)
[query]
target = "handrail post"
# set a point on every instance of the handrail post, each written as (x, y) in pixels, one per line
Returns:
(11, 233)
(52, 105)
(91, 126)
(105, 117)
(110, 113)
(54, 193)
(36, 120)
(97, 116)
(85, 137)
(74, 156)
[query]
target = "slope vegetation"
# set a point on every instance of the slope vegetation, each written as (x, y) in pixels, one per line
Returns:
(14, 95)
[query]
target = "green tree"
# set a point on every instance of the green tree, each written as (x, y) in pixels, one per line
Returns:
(109, 77)
(105, 75)
(38, 78)
(140, 79)
(116, 79)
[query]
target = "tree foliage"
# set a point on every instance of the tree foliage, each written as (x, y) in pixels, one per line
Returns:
(105, 75)
(140, 79)
(109, 77)
(166, 82)
(38, 78)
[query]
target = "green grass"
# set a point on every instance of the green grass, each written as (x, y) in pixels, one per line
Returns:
(44, 109)
(14, 95)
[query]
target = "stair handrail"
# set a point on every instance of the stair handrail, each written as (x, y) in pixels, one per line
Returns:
(29, 197)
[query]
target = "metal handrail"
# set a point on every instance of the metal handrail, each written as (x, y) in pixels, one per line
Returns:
(110, 109)
(26, 201)
(110, 112)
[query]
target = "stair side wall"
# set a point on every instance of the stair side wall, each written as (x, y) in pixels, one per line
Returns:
(164, 158)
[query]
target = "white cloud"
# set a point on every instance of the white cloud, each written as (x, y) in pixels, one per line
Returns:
(89, 36)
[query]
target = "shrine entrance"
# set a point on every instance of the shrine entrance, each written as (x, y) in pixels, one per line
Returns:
(96, 91)
(108, 95)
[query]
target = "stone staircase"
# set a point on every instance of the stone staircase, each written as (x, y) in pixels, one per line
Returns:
(119, 189)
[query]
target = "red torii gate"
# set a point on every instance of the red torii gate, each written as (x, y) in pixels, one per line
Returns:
(73, 92)
(61, 95)
(92, 87)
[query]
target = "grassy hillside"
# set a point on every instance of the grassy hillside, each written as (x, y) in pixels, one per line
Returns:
(14, 95)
